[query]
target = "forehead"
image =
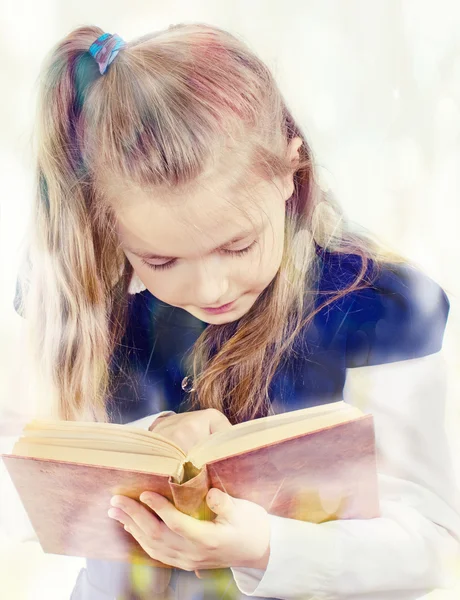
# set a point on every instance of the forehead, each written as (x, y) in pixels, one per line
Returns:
(180, 224)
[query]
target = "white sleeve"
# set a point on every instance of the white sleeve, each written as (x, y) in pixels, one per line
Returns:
(414, 546)
(145, 422)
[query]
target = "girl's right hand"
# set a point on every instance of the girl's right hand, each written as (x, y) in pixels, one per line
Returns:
(189, 428)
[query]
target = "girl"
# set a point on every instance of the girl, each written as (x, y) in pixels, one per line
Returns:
(186, 272)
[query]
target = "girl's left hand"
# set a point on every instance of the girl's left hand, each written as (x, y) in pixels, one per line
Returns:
(239, 536)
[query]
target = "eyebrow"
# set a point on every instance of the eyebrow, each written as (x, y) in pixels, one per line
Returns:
(150, 255)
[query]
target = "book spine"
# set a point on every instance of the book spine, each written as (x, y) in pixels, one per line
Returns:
(190, 496)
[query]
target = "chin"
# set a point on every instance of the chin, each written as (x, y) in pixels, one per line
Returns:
(219, 319)
(216, 319)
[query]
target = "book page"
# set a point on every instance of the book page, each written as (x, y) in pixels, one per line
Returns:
(268, 430)
(109, 436)
(134, 462)
(125, 446)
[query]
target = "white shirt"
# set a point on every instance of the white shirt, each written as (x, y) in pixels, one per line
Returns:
(414, 546)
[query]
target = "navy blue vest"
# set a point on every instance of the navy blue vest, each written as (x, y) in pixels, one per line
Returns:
(401, 315)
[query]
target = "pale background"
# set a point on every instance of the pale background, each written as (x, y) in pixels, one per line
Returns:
(375, 84)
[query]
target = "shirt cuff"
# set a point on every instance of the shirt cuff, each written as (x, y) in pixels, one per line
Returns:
(284, 576)
(145, 422)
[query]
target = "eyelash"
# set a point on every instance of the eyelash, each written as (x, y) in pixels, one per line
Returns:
(171, 263)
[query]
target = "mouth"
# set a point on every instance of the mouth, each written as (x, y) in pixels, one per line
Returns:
(220, 309)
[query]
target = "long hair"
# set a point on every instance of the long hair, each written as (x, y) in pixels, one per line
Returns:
(168, 105)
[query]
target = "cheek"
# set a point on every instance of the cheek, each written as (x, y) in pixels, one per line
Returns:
(260, 269)
(272, 250)
(164, 285)
(160, 284)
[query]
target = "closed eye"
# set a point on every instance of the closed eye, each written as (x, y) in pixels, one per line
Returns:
(171, 263)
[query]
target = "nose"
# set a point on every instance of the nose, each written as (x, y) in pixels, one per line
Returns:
(211, 283)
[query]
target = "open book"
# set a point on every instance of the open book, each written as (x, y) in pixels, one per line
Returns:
(315, 464)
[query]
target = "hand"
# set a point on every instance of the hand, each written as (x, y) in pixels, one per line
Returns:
(239, 536)
(187, 429)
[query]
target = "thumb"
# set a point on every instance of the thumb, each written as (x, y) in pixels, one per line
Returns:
(221, 503)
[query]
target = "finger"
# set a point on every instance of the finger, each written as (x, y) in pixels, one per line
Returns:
(133, 530)
(221, 504)
(147, 544)
(156, 549)
(177, 521)
(218, 421)
(158, 420)
(120, 516)
(205, 573)
(139, 514)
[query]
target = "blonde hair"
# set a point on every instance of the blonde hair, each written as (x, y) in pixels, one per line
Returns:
(170, 102)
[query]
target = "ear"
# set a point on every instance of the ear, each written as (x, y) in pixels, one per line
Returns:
(293, 150)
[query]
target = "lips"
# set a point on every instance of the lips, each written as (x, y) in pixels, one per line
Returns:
(220, 309)
(217, 307)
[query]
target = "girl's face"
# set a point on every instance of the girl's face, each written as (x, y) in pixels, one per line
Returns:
(210, 249)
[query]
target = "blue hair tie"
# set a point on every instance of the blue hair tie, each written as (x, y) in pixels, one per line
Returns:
(105, 49)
